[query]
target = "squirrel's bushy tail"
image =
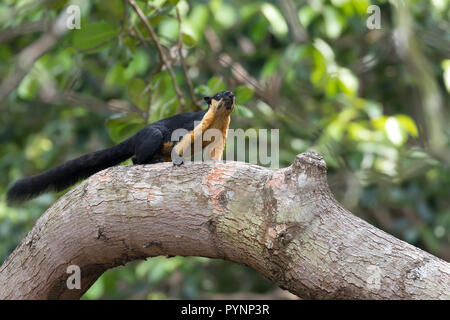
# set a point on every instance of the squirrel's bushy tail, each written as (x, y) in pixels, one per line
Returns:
(70, 172)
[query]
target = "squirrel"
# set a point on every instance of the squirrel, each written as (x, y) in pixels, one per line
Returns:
(152, 144)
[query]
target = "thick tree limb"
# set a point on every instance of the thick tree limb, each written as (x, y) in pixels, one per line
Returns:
(284, 223)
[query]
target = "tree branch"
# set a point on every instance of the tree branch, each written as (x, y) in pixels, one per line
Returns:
(28, 56)
(284, 223)
(162, 56)
(183, 63)
(289, 11)
(49, 93)
(239, 73)
(23, 29)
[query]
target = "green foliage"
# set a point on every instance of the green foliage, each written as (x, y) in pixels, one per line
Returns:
(93, 35)
(371, 106)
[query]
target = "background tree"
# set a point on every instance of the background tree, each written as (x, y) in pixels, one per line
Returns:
(374, 103)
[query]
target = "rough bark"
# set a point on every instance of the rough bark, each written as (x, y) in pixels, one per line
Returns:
(284, 223)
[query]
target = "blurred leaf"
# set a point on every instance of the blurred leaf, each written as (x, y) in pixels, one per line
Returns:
(223, 13)
(373, 109)
(188, 40)
(198, 19)
(243, 111)
(361, 6)
(394, 131)
(136, 89)
(121, 127)
(215, 85)
(275, 18)
(407, 124)
(169, 29)
(170, 108)
(115, 76)
(348, 82)
(113, 9)
(137, 65)
(334, 22)
(306, 15)
(95, 291)
(270, 66)
(243, 94)
(93, 34)
(446, 75)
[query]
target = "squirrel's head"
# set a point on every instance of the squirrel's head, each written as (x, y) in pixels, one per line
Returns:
(221, 102)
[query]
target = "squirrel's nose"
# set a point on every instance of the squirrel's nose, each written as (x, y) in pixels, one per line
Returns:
(229, 94)
(228, 97)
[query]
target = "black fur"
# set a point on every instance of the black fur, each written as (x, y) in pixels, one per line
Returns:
(143, 146)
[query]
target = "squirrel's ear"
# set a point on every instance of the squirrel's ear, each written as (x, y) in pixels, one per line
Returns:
(207, 100)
